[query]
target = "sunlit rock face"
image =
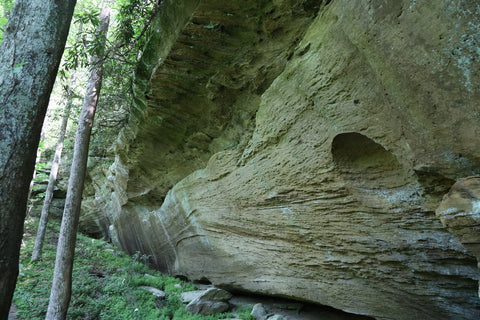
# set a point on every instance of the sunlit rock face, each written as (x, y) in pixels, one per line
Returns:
(300, 148)
(460, 213)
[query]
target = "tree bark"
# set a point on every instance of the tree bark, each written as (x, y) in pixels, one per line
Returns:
(62, 278)
(42, 225)
(32, 47)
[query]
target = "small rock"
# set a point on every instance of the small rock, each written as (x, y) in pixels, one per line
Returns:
(206, 308)
(259, 312)
(156, 292)
(277, 317)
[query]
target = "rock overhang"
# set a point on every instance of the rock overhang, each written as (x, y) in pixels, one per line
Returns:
(301, 161)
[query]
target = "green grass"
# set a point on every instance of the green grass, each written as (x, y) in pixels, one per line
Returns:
(106, 283)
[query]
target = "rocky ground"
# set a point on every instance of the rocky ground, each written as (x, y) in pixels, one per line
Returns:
(272, 308)
(295, 310)
(269, 308)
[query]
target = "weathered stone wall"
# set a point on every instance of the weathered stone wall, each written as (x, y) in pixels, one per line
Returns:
(300, 148)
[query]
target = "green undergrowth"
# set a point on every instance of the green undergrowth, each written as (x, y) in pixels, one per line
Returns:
(107, 283)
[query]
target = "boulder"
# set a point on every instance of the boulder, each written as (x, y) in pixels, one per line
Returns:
(191, 295)
(206, 308)
(210, 301)
(259, 312)
(460, 213)
(215, 294)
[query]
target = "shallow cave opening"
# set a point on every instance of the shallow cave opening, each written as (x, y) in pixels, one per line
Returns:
(356, 155)
(293, 309)
(371, 172)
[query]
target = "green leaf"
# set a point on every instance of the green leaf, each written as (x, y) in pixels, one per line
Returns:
(18, 67)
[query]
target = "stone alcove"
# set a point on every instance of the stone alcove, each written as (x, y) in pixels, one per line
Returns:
(372, 174)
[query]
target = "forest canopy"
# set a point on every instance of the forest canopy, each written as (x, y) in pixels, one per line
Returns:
(129, 24)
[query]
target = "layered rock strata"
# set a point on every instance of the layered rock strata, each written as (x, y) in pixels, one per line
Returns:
(299, 149)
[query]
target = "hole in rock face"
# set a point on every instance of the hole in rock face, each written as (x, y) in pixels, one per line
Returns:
(365, 162)
(203, 280)
(372, 173)
(434, 184)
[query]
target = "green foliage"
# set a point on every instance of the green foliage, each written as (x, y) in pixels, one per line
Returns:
(17, 67)
(133, 16)
(245, 313)
(39, 182)
(40, 176)
(5, 8)
(3, 22)
(81, 44)
(130, 24)
(87, 16)
(106, 283)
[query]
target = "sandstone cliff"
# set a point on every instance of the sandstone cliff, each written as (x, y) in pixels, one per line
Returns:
(299, 148)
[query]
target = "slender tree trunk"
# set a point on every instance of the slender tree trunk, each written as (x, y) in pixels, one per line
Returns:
(62, 277)
(42, 226)
(34, 175)
(32, 47)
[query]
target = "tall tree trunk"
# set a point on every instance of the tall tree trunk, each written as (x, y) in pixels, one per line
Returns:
(32, 47)
(62, 277)
(42, 226)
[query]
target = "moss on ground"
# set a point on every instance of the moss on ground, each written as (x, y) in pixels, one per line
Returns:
(106, 283)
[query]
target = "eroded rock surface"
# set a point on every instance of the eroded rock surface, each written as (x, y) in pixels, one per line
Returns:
(460, 213)
(299, 149)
